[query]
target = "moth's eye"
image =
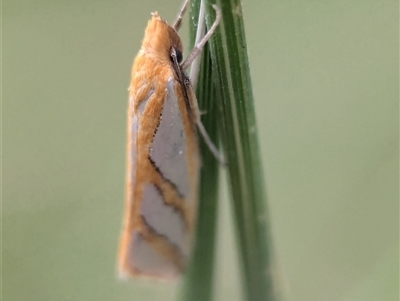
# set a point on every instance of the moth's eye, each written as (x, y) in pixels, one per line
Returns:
(178, 55)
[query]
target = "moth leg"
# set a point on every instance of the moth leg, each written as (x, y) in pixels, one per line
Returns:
(199, 46)
(194, 59)
(211, 146)
(195, 67)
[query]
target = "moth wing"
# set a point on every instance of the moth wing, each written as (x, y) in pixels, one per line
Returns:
(168, 149)
(168, 155)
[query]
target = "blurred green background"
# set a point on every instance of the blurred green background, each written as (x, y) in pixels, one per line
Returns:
(326, 85)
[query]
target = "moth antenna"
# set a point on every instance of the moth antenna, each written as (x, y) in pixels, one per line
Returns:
(178, 22)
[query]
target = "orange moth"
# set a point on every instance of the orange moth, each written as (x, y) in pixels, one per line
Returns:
(163, 159)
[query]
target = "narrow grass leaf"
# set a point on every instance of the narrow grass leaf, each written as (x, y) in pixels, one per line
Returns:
(198, 281)
(240, 141)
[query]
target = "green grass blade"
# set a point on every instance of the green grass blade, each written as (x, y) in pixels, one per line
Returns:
(198, 281)
(239, 136)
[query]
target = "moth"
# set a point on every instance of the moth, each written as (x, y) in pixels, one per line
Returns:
(163, 159)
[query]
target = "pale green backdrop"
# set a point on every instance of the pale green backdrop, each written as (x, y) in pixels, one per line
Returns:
(326, 84)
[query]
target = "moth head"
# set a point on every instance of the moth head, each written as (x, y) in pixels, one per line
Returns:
(160, 37)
